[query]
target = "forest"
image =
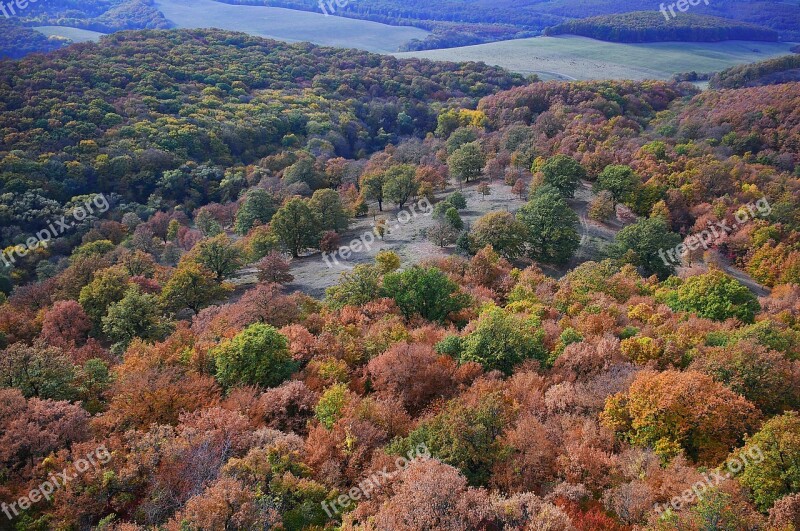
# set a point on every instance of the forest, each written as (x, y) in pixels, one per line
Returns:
(771, 72)
(508, 385)
(650, 26)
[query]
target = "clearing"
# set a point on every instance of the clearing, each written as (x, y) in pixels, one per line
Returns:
(73, 34)
(568, 57)
(289, 25)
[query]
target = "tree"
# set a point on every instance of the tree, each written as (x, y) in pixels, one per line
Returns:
(777, 474)
(259, 355)
(274, 268)
(424, 291)
(107, 287)
(550, 227)
(715, 295)
(673, 411)
(520, 188)
(218, 254)
(400, 184)
(458, 200)
(355, 288)
(136, 315)
(620, 181)
(500, 341)
(296, 226)
(191, 286)
(442, 233)
(503, 232)
(304, 171)
(327, 205)
(65, 324)
(484, 189)
(453, 219)
(564, 174)
(258, 207)
(372, 185)
(644, 244)
(387, 261)
(602, 207)
(37, 371)
(467, 162)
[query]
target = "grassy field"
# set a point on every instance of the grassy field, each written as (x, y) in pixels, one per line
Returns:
(289, 25)
(570, 57)
(73, 34)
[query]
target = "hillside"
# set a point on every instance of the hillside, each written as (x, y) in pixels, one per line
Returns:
(775, 71)
(246, 285)
(647, 26)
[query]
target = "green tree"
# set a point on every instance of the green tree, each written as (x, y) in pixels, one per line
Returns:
(505, 233)
(453, 219)
(303, 171)
(107, 287)
(467, 162)
(355, 288)
(135, 316)
(331, 404)
(218, 254)
(714, 295)
(466, 436)
(458, 200)
(400, 184)
(620, 181)
(564, 174)
(550, 224)
(258, 355)
(773, 455)
(372, 184)
(502, 340)
(191, 286)
(327, 205)
(258, 207)
(297, 227)
(37, 371)
(644, 243)
(427, 292)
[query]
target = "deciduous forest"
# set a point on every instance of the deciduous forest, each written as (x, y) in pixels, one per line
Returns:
(508, 383)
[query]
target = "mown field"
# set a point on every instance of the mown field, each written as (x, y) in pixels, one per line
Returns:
(571, 57)
(73, 34)
(289, 25)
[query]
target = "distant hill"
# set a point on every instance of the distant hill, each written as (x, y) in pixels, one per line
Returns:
(773, 72)
(649, 26)
(106, 16)
(17, 41)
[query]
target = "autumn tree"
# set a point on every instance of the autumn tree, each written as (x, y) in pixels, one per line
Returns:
(506, 234)
(677, 411)
(191, 286)
(274, 267)
(107, 287)
(355, 288)
(373, 186)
